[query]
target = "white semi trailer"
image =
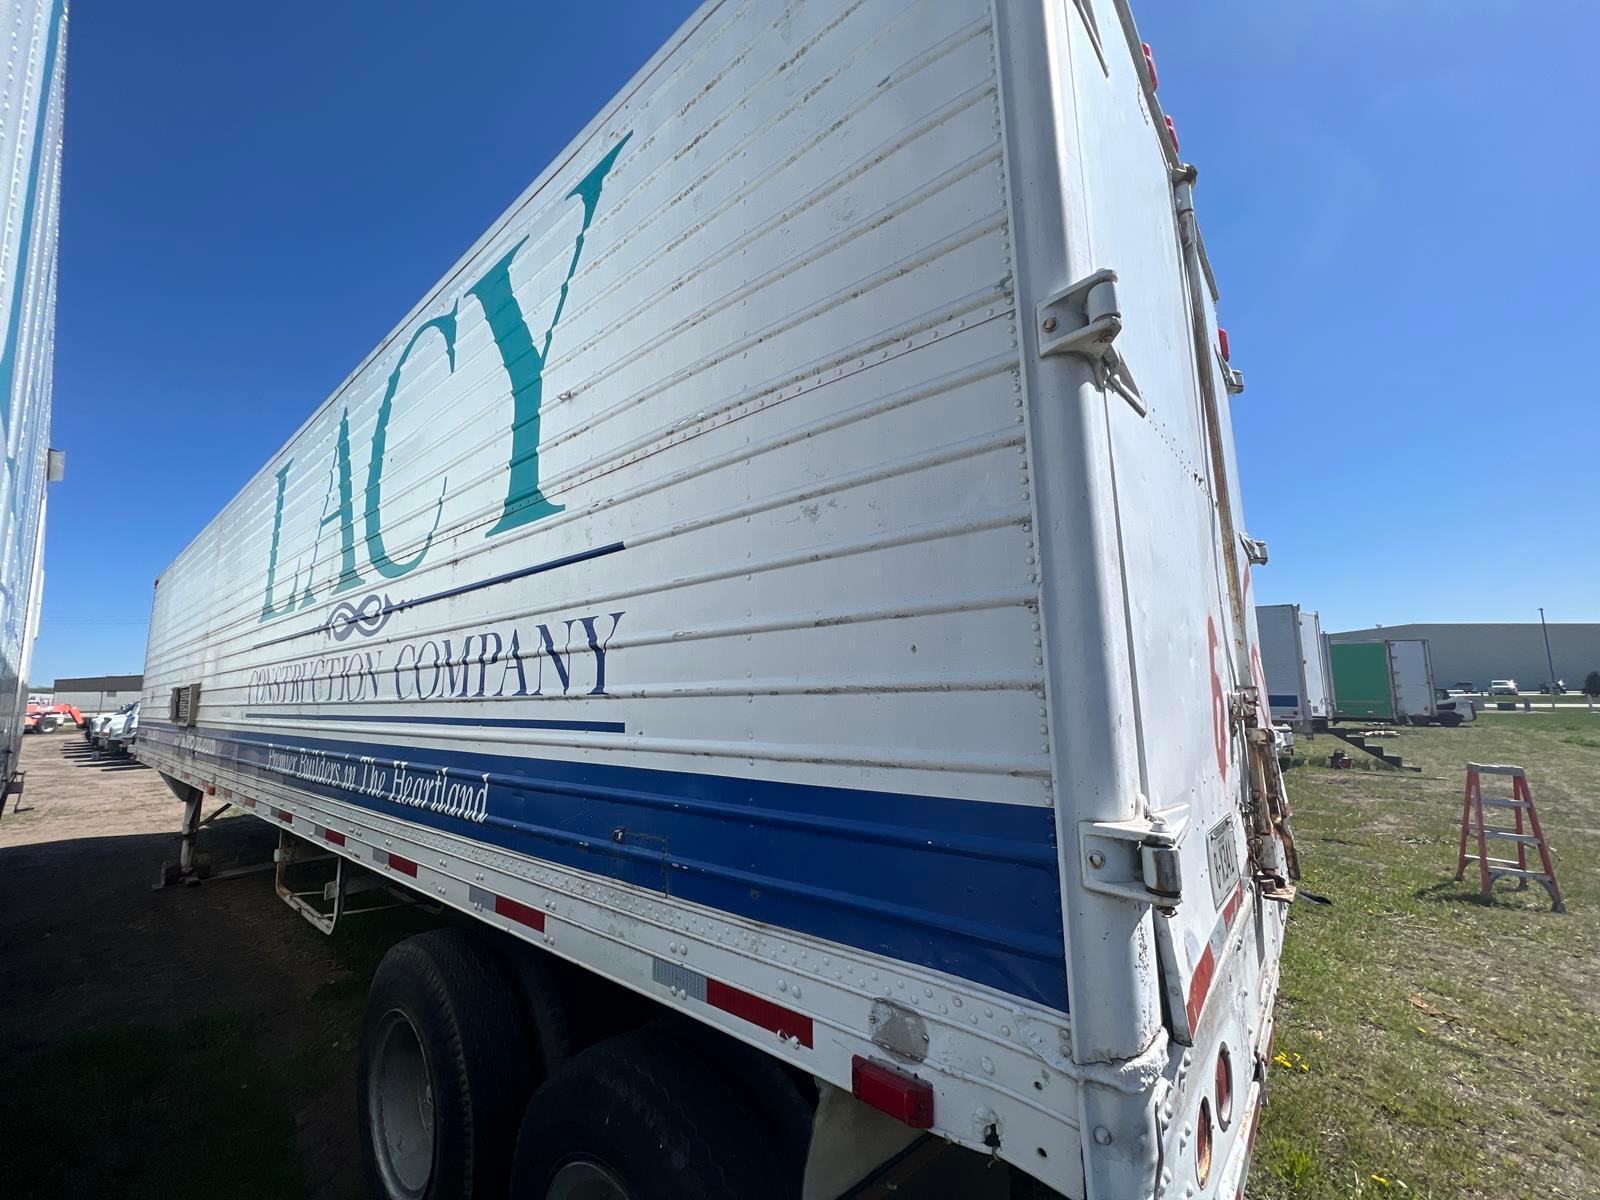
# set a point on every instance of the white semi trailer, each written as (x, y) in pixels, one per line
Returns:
(1294, 656)
(35, 33)
(786, 587)
(1411, 667)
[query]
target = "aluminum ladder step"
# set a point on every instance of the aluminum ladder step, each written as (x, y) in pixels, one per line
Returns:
(1506, 866)
(1509, 835)
(1516, 872)
(1503, 802)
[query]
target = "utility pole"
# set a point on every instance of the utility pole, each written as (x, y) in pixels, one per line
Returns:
(1548, 658)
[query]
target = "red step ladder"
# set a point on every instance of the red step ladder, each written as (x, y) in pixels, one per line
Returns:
(1526, 833)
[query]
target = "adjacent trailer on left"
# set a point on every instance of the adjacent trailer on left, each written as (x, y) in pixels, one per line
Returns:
(35, 35)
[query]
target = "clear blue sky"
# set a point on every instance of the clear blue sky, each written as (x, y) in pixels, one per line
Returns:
(1397, 198)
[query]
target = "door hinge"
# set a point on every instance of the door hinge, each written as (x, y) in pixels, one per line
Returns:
(1136, 860)
(1084, 318)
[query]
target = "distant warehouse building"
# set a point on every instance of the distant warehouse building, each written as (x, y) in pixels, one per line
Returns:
(1478, 653)
(94, 694)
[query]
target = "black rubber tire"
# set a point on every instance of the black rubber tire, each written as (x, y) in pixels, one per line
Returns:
(462, 1007)
(1450, 720)
(660, 1122)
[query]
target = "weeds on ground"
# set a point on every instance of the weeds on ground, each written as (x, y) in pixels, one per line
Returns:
(1431, 1043)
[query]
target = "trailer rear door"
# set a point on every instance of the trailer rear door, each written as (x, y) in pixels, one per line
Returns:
(1413, 679)
(1361, 681)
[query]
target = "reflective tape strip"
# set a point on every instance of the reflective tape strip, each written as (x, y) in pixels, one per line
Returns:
(286, 817)
(679, 977)
(784, 1022)
(521, 913)
(504, 906)
(404, 865)
(1206, 969)
(334, 836)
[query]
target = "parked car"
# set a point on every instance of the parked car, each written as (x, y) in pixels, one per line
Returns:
(98, 731)
(1559, 688)
(1502, 687)
(1467, 686)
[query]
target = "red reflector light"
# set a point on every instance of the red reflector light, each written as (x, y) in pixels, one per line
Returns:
(404, 865)
(1150, 65)
(891, 1090)
(1222, 344)
(1172, 132)
(334, 836)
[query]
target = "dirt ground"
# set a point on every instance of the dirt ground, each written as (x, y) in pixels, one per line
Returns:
(88, 944)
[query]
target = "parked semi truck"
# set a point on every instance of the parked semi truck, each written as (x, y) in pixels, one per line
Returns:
(1294, 657)
(716, 591)
(30, 157)
(1386, 681)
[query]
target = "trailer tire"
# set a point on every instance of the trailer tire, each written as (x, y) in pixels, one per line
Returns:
(630, 1119)
(445, 1070)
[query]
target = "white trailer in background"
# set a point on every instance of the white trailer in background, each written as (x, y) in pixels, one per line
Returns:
(34, 36)
(787, 583)
(1294, 657)
(1411, 667)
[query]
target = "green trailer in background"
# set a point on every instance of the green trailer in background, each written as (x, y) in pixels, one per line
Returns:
(1384, 681)
(1363, 687)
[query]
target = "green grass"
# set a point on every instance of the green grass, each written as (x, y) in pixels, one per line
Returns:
(1438, 1045)
(136, 1111)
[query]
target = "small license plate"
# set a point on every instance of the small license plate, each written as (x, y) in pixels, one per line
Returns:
(1224, 861)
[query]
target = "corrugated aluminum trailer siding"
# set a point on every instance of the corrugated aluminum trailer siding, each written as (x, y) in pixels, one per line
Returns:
(1283, 660)
(30, 155)
(782, 504)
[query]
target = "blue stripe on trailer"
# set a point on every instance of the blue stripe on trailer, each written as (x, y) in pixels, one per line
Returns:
(1284, 700)
(965, 887)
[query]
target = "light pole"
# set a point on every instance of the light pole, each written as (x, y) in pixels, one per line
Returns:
(1548, 658)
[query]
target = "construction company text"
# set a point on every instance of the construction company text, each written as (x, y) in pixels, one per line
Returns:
(495, 662)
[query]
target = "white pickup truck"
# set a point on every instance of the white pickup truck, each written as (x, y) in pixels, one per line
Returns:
(787, 584)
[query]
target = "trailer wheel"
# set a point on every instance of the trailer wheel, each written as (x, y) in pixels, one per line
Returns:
(445, 1070)
(629, 1119)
